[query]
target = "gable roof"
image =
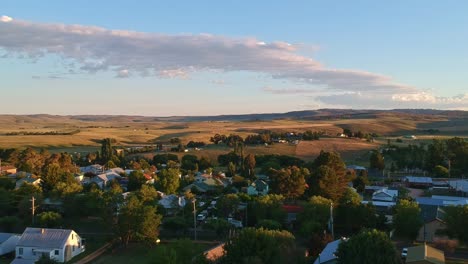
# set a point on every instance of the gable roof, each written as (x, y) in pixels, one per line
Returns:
(425, 253)
(430, 213)
(386, 192)
(328, 253)
(5, 236)
(260, 185)
(44, 237)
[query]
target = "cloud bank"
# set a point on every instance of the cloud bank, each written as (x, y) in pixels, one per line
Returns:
(129, 53)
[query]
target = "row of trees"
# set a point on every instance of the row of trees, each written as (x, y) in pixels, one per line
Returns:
(438, 157)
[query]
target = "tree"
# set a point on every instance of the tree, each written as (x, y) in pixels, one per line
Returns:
(231, 170)
(455, 218)
(227, 204)
(135, 180)
(137, 221)
(269, 224)
(289, 182)
(168, 180)
(407, 220)
(329, 176)
(315, 216)
(266, 207)
(441, 171)
(49, 219)
(377, 161)
(250, 166)
(107, 151)
(352, 216)
(46, 260)
(266, 246)
(368, 247)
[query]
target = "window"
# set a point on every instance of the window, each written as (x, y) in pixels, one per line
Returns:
(20, 251)
(56, 252)
(73, 237)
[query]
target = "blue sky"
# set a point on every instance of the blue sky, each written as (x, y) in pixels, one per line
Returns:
(220, 57)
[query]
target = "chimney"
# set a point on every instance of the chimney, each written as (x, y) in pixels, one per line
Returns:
(42, 230)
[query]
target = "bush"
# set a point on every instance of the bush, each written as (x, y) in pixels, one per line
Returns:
(447, 245)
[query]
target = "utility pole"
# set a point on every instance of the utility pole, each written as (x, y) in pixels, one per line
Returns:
(33, 208)
(194, 219)
(331, 221)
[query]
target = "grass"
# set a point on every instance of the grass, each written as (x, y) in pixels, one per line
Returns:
(140, 253)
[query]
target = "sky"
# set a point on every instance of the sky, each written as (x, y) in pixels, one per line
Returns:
(166, 58)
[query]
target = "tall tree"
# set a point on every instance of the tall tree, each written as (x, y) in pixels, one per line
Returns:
(168, 180)
(249, 162)
(265, 246)
(377, 160)
(455, 218)
(137, 221)
(289, 182)
(368, 247)
(107, 151)
(329, 177)
(407, 220)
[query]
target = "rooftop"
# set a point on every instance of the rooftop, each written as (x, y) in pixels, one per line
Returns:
(44, 237)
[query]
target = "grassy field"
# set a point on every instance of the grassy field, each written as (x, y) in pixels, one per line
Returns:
(135, 131)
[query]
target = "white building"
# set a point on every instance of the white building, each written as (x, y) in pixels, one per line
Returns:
(59, 244)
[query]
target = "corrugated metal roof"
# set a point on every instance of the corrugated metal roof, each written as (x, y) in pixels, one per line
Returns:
(5, 236)
(414, 179)
(328, 253)
(44, 237)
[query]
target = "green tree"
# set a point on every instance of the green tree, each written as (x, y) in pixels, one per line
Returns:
(315, 216)
(368, 247)
(377, 160)
(137, 221)
(231, 170)
(107, 151)
(135, 180)
(250, 166)
(227, 204)
(168, 180)
(407, 220)
(455, 218)
(266, 207)
(441, 171)
(266, 246)
(269, 224)
(329, 177)
(289, 182)
(49, 219)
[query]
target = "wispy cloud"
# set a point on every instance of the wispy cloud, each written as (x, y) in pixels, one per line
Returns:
(92, 49)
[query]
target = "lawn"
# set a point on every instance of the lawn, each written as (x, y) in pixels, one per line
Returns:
(138, 253)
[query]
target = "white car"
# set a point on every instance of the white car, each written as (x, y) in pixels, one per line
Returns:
(404, 252)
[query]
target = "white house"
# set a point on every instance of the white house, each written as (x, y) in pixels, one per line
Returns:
(59, 244)
(8, 242)
(328, 253)
(31, 180)
(258, 187)
(385, 195)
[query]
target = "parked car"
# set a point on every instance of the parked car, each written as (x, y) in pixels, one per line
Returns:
(404, 252)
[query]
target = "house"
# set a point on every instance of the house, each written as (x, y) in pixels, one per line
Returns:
(439, 200)
(460, 186)
(383, 207)
(8, 242)
(258, 187)
(327, 256)
(20, 174)
(208, 185)
(385, 195)
(292, 211)
(433, 223)
(425, 254)
(418, 182)
(58, 244)
(94, 169)
(172, 202)
(7, 170)
(30, 180)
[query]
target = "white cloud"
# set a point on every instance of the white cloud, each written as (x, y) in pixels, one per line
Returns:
(99, 49)
(6, 19)
(92, 49)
